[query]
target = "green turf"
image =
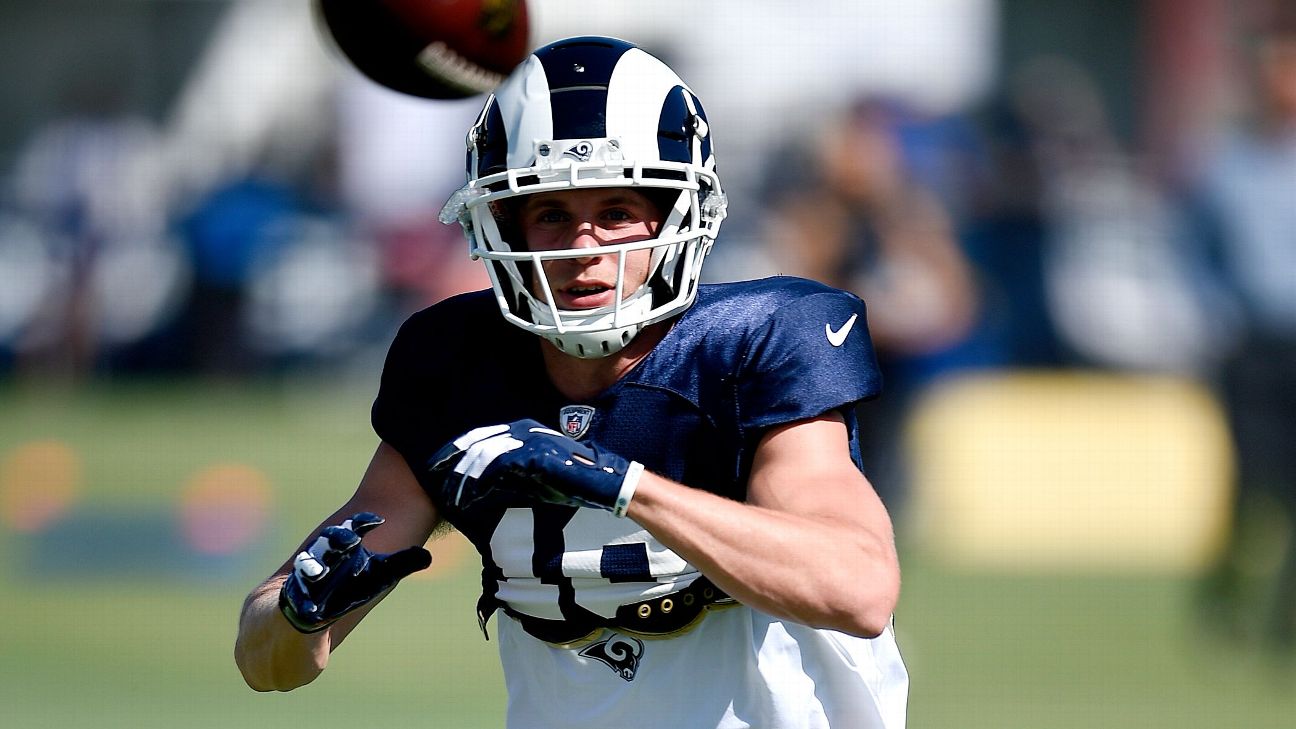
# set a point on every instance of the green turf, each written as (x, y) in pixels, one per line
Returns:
(985, 651)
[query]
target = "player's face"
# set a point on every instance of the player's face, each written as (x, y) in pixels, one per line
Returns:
(589, 219)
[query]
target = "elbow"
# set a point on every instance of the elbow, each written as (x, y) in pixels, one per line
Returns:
(869, 624)
(266, 681)
(867, 612)
(254, 675)
(261, 683)
(867, 620)
(864, 618)
(262, 672)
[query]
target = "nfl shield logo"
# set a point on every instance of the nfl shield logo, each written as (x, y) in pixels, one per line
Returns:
(575, 419)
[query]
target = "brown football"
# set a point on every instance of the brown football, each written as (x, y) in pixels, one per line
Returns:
(437, 49)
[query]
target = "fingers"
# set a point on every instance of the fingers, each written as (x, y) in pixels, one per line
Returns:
(299, 606)
(531, 426)
(399, 565)
(451, 453)
(336, 574)
(482, 446)
(336, 540)
(445, 458)
(333, 544)
(484, 452)
(308, 567)
(329, 548)
(363, 522)
(487, 459)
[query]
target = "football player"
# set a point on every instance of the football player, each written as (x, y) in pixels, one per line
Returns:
(662, 478)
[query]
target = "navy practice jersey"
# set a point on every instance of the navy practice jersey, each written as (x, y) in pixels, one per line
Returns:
(744, 358)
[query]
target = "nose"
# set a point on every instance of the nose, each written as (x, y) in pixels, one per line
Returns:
(586, 235)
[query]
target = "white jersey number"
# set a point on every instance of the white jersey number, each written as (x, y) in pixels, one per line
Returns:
(608, 561)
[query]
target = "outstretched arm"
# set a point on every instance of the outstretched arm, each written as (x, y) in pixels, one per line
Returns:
(813, 543)
(274, 656)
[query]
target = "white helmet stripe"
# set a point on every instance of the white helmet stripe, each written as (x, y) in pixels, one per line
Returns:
(634, 105)
(527, 111)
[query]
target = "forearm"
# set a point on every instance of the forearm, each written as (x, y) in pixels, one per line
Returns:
(814, 570)
(270, 653)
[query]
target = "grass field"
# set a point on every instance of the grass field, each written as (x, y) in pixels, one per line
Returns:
(83, 644)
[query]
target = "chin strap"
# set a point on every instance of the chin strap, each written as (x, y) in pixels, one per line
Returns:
(600, 343)
(593, 345)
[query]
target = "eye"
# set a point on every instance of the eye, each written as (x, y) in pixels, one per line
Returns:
(620, 215)
(550, 215)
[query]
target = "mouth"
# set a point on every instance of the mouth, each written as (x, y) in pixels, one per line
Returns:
(585, 296)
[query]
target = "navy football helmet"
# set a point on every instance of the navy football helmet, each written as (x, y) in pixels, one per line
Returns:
(591, 112)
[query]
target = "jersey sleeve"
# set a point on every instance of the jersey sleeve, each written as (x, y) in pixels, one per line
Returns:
(391, 415)
(409, 412)
(812, 355)
(430, 391)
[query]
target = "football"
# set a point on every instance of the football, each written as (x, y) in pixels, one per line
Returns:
(436, 49)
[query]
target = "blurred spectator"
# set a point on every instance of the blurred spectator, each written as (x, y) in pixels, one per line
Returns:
(312, 300)
(1245, 203)
(1005, 234)
(846, 211)
(27, 271)
(282, 276)
(228, 232)
(1116, 290)
(90, 182)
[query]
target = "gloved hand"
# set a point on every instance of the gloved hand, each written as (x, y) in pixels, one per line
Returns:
(536, 462)
(336, 574)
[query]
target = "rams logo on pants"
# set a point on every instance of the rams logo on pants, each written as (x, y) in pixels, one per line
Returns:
(621, 653)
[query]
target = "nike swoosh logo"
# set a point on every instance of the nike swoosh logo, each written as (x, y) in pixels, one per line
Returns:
(838, 337)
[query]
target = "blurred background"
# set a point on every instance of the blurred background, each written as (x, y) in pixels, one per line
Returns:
(1074, 224)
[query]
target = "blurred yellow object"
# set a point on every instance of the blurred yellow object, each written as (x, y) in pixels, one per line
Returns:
(39, 482)
(225, 508)
(1046, 471)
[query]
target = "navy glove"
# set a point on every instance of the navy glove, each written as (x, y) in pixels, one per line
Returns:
(336, 574)
(536, 462)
